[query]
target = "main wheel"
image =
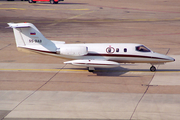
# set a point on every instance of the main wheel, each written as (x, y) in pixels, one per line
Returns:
(152, 68)
(52, 1)
(31, 1)
(91, 69)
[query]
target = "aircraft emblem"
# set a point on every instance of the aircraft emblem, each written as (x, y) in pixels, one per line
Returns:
(110, 49)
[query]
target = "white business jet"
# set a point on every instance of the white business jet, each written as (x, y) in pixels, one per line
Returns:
(90, 55)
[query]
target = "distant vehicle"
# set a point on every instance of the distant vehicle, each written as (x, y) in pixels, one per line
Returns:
(13, 0)
(51, 1)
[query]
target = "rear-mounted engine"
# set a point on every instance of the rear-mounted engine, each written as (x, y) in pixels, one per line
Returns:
(73, 50)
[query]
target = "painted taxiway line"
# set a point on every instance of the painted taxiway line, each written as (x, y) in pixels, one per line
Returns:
(12, 9)
(85, 9)
(64, 9)
(69, 20)
(41, 70)
(75, 70)
(80, 15)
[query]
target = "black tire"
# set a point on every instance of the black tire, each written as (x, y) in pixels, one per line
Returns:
(153, 68)
(52, 1)
(91, 70)
(31, 1)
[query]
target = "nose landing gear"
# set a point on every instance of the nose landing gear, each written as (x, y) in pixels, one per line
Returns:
(153, 68)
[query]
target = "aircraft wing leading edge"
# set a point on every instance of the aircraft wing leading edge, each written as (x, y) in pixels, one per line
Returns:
(94, 63)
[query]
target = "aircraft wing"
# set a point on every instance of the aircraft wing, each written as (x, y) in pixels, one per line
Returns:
(93, 63)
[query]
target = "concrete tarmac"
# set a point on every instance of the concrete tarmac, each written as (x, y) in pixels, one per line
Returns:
(35, 87)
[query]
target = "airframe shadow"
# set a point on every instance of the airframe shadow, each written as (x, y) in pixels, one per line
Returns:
(118, 71)
(103, 71)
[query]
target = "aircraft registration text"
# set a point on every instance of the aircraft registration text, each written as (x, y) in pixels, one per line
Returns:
(35, 41)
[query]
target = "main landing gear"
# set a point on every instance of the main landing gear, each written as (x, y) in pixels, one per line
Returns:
(153, 68)
(91, 69)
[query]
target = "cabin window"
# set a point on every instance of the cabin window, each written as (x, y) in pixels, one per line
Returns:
(125, 49)
(142, 48)
(117, 49)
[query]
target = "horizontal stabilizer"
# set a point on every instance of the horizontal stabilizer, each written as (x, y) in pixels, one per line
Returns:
(94, 63)
(20, 25)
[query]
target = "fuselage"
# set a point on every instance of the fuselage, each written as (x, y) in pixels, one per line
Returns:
(118, 52)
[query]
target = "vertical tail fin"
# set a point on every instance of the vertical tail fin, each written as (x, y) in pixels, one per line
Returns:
(27, 34)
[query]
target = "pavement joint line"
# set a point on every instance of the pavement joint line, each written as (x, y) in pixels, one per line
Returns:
(5, 46)
(148, 85)
(37, 89)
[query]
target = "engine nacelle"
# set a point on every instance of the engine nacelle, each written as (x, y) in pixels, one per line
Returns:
(73, 50)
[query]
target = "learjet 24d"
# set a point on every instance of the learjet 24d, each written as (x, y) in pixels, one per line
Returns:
(90, 55)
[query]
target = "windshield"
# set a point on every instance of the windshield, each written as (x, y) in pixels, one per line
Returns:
(142, 48)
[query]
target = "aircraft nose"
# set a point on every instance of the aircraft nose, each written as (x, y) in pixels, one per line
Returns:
(164, 58)
(170, 59)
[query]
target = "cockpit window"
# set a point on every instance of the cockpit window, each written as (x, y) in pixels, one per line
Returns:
(142, 48)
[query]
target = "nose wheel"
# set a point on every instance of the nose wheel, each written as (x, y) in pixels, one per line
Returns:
(152, 68)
